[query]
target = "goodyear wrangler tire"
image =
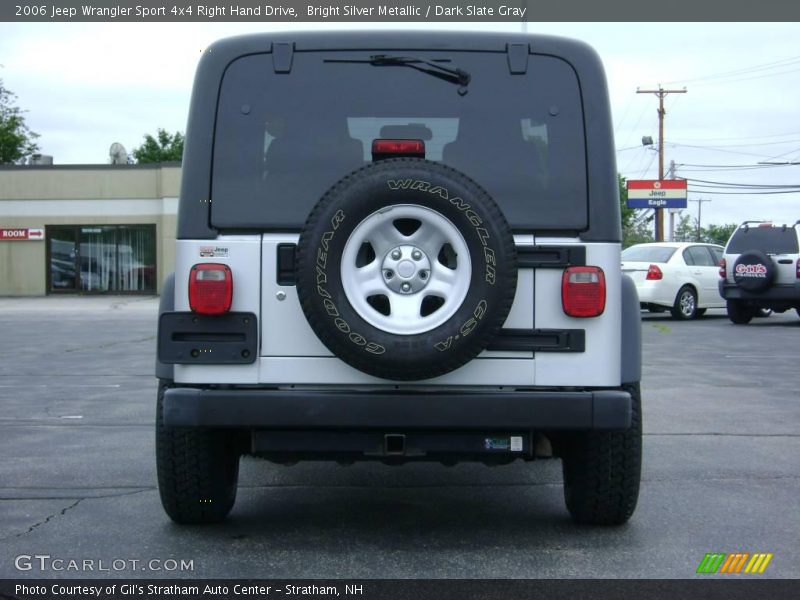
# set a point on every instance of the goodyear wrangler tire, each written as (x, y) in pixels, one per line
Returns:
(406, 269)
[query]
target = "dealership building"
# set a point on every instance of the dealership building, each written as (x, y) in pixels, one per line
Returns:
(87, 229)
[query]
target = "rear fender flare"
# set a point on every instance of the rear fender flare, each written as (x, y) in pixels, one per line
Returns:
(166, 304)
(631, 333)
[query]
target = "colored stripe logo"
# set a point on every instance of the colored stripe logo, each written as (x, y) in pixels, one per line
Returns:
(734, 563)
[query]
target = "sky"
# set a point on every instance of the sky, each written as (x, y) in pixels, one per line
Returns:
(87, 85)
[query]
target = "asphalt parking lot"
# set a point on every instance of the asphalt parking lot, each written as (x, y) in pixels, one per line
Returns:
(77, 475)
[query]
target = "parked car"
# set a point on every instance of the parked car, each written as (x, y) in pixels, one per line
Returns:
(676, 276)
(760, 270)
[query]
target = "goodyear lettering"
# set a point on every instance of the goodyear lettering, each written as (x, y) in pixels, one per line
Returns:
(322, 257)
(400, 184)
(459, 204)
(421, 186)
(326, 238)
(327, 301)
(473, 218)
(439, 191)
(466, 328)
(330, 307)
(322, 277)
(490, 263)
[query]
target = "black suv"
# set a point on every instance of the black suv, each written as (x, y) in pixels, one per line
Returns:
(399, 247)
(760, 270)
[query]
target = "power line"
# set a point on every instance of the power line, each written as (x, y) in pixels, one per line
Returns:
(740, 166)
(744, 70)
(794, 141)
(745, 193)
(735, 184)
(716, 149)
(749, 78)
(730, 139)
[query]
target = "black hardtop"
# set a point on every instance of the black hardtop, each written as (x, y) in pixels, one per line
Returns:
(603, 190)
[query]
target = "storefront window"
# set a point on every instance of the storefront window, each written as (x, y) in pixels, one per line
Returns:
(102, 258)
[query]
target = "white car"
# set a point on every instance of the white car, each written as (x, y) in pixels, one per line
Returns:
(682, 277)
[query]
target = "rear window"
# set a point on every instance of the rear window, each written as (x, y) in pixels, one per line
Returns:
(282, 139)
(659, 254)
(771, 240)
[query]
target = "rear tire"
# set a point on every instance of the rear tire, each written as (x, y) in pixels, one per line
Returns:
(685, 307)
(198, 470)
(602, 471)
(738, 312)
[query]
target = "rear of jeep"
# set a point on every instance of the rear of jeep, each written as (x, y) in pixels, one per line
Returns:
(760, 270)
(399, 247)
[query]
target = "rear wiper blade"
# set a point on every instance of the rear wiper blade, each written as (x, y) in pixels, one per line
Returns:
(424, 65)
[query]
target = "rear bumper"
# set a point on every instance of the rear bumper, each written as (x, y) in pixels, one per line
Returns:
(655, 292)
(790, 293)
(344, 410)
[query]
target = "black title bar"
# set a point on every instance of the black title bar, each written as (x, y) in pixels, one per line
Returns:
(417, 11)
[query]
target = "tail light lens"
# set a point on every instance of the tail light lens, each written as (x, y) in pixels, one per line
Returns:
(797, 269)
(723, 266)
(654, 273)
(210, 289)
(583, 292)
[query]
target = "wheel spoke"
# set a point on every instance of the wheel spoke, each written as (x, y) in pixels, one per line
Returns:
(430, 238)
(442, 282)
(368, 279)
(405, 309)
(384, 237)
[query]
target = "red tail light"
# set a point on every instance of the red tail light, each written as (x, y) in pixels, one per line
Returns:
(210, 289)
(654, 273)
(723, 265)
(389, 148)
(797, 269)
(583, 292)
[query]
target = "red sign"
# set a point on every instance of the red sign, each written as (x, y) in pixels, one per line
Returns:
(21, 234)
(657, 184)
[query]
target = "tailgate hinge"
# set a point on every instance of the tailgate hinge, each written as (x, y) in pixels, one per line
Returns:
(518, 58)
(282, 55)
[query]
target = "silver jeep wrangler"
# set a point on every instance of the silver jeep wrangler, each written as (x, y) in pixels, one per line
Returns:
(399, 247)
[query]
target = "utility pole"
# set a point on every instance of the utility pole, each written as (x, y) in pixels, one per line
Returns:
(661, 93)
(699, 214)
(671, 175)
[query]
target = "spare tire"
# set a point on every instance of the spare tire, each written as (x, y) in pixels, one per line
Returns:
(754, 271)
(406, 269)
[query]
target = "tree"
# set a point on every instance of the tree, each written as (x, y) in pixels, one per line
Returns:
(163, 148)
(16, 139)
(719, 234)
(687, 231)
(635, 223)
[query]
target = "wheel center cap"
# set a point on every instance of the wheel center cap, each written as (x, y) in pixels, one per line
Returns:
(406, 269)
